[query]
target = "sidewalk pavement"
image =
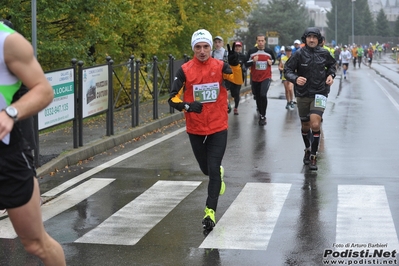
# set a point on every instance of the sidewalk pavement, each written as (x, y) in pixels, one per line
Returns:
(387, 67)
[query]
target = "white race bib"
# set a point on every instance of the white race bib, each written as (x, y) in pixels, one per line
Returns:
(261, 65)
(320, 101)
(206, 93)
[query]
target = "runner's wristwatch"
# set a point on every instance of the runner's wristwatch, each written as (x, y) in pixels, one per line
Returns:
(12, 112)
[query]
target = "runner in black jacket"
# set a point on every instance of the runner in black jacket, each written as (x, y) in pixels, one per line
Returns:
(312, 70)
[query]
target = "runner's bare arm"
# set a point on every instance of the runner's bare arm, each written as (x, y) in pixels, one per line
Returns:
(18, 55)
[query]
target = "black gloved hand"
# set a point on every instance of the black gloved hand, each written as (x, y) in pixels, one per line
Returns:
(195, 107)
(232, 55)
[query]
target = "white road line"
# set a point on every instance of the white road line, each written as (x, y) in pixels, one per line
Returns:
(249, 221)
(57, 190)
(395, 103)
(363, 216)
(128, 225)
(61, 203)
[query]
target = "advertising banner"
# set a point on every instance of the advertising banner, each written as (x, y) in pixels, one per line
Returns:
(95, 90)
(63, 105)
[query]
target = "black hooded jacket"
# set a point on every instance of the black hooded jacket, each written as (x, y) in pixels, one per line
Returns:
(315, 64)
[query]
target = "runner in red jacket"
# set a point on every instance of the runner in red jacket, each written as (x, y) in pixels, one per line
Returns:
(200, 83)
(260, 59)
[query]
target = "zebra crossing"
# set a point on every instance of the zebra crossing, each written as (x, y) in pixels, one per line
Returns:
(362, 216)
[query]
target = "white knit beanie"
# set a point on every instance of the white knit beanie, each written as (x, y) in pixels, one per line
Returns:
(201, 36)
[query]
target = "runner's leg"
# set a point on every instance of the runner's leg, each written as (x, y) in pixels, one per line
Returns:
(28, 224)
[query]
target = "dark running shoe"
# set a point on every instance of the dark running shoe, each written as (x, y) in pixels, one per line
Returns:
(228, 107)
(262, 121)
(306, 157)
(313, 162)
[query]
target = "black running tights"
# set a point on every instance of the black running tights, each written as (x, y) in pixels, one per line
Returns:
(260, 89)
(209, 151)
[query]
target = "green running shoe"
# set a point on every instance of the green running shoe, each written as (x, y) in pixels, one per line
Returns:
(223, 186)
(209, 221)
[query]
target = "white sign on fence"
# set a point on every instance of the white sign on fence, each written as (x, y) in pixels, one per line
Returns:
(63, 105)
(272, 40)
(95, 90)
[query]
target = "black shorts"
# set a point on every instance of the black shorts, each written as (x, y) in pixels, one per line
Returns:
(17, 173)
(306, 107)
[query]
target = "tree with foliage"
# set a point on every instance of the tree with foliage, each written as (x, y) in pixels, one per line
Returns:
(382, 25)
(218, 17)
(396, 28)
(90, 30)
(287, 17)
(364, 21)
(341, 16)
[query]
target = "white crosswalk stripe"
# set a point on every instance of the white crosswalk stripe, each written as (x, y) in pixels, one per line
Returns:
(364, 216)
(249, 222)
(61, 203)
(128, 225)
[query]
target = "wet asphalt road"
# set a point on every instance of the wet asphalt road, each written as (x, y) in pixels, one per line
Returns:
(146, 208)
